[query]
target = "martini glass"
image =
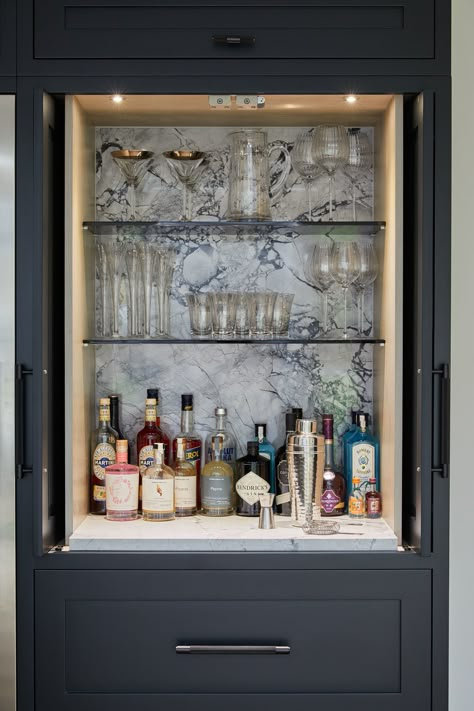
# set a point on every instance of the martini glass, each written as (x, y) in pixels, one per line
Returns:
(185, 166)
(133, 166)
(331, 151)
(360, 159)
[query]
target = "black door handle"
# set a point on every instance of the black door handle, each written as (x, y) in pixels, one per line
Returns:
(21, 469)
(233, 39)
(444, 419)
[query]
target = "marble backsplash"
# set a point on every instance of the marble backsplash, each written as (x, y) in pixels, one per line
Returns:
(255, 382)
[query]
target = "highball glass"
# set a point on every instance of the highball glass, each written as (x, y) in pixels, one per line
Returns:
(223, 313)
(281, 314)
(199, 306)
(261, 313)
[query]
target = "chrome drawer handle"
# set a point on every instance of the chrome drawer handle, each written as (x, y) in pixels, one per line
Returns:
(232, 649)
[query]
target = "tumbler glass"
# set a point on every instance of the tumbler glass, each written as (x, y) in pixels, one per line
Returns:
(281, 314)
(242, 314)
(261, 313)
(199, 314)
(223, 313)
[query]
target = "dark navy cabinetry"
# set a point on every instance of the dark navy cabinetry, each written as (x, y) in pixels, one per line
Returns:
(8, 19)
(100, 630)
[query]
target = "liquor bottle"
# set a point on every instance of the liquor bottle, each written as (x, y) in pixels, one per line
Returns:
(373, 501)
(267, 450)
(363, 459)
(283, 497)
(356, 507)
(185, 491)
(228, 441)
(347, 437)
(217, 482)
(333, 496)
(146, 438)
(193, 445)
(165, 438)
(158, 488)
(121, 483)
(298, 411)
(103, 455)
(114, 416)
(252, 480)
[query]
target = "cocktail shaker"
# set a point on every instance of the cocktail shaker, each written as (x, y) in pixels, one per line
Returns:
(305, 452)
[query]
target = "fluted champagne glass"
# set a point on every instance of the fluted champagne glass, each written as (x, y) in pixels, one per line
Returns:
(133, 165)
(360, 160)
(185, 165)
(132, 262)
(115, 252)
(331, 151)
(345, 267)
(104, 284)
(367, 276)
(305, 165)
(164, 267)
(319, 273)
(148, 255)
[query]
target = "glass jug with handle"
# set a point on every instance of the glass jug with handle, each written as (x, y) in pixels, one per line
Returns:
(249, 175)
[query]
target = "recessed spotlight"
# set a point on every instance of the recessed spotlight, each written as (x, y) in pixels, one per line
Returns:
(117, 98)
(351, 99)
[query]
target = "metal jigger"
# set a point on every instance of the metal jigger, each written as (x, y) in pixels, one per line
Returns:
(266, 519)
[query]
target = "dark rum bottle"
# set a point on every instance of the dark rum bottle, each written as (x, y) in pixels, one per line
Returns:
(192, 441)
(103, 443)
(334, 485)
(155, 393)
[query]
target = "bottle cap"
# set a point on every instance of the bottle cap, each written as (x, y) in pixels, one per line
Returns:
(113, 399)
(328, 426)
(220, 410)
(159, 446)
(252, 448)
(306, 427)
(180, 447)
(372, 481)
(363, 422)
(260, 431)
(360, 414)
(121, 449)
(152, 393)
(187, 401)
(298, 412)
(290, 421)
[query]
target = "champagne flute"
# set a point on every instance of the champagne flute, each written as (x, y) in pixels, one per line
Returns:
(360, 159)
(320, 274)
(345, 268)
(367, 276)
(115, 251)
(148, 256)
(304, 164)
(331, 151)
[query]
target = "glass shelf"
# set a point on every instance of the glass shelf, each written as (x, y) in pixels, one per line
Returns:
(333, 229)
(100, 341)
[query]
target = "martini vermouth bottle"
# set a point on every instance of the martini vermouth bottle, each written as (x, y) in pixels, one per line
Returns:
(103, 443)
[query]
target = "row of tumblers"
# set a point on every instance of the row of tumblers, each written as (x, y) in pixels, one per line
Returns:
(239, 314)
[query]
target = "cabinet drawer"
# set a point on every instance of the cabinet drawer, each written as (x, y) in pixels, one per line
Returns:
(161, 29)
(352, 635)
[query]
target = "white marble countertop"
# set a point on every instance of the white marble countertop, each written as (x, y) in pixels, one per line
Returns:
(230, 533)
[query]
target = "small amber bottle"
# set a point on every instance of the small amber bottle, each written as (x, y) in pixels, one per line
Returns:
(373, 501)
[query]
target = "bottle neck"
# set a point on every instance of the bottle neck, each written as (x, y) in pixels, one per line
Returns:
(187, 420)
(159, 457)
(329, 454)
(221, 422)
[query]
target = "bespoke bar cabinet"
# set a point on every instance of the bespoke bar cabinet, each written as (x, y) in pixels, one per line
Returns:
(102, 621)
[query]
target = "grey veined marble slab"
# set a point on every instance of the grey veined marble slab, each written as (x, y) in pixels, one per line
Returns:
(230, 533)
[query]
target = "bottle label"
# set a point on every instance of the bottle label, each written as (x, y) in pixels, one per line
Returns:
(104, 413)
(265, 455)
(146, 458)
(104, 456)
(150, 413)
(98, 493)
(185, 492)
(363, 463)
(373, 507)
(216, 491)
(284, 497)
(193, 455)
(227, 454)
(121, 492)
(251, 487)
(158, 495)
(330, 501)
(356, 506)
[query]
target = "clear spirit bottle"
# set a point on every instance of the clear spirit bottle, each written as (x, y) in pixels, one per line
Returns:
(185, 491)
(217, 483)
(158, 488)
(193, 443)
(228, 441)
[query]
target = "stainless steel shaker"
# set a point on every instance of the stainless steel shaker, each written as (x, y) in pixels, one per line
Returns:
(305, 452)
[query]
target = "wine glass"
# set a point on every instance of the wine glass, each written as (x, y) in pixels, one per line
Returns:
(367, 276)
(133, 166)
(185, 166)
(320, 274)
(360, 159)
(330, 151)
(304, 164)
(345, 268)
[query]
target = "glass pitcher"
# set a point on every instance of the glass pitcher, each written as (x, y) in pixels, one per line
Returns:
(249, 175)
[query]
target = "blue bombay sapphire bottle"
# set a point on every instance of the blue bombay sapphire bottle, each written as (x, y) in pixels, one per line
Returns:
(362, 464)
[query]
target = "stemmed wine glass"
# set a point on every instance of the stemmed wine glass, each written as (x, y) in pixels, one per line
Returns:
(345, 268)
(367, 276)
(360, 159)
(133, 166)
(185, 166)
(330, 151)
(320, 274)
(304, 164)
